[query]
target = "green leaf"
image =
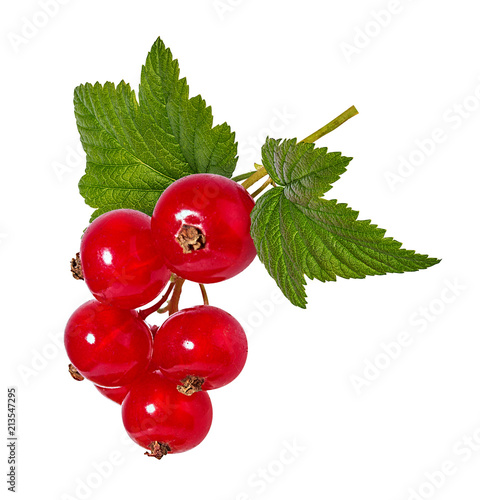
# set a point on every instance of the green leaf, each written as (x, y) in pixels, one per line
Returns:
(304, 170)
(297, 233)
(211, 150)
(136, 149)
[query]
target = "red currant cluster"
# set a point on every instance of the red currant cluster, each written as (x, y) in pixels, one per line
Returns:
(199, 231)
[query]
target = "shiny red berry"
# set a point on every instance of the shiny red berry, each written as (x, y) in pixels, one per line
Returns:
(120, 263)
(161, 419)
(201, 346)
(201, 224)
(109, 346)
(116, 394)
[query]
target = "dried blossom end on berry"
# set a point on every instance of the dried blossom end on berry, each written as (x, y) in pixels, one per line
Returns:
(158, 450)
(76, 375)
(191, 239)
(76, 267)
(190, 385)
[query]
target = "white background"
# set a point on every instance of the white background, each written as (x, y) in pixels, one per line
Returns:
(416, 71)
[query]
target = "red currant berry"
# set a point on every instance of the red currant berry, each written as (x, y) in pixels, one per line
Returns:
(159, 418)
(120, 263)
(201, 224)
(109, 346)
(116, 394)
(201, 346)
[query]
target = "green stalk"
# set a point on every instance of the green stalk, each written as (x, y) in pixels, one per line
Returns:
(261, 172)
(242, 177)
(335, 123)
(253, 177)
(262, 187)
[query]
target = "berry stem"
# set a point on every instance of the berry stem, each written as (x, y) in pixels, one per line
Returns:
(262, 187)
(146, 312)
(177, 291)
(242, 177)
(164, 309)
(335, 123)
(204, 294)
(261, 172)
